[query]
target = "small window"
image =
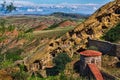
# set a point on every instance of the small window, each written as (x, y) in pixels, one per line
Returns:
(92, 61)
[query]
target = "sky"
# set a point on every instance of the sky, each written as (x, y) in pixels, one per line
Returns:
(64, 1)
(68, 1)
(75, 6)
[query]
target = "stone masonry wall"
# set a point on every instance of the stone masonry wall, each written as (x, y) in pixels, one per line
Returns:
(106, 47)
(118, 51)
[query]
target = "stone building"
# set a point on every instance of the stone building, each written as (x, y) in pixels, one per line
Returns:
(89, 57)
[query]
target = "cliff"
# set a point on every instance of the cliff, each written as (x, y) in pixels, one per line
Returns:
(94, 27)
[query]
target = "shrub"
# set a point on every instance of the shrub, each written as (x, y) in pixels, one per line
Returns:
(113, 34)
(60, 61)
(14, 54)
(20, 75)
(62, 58)
(28, 36)
(2, 26)
(2, 38)
(92, 48)
(6, 63)
(11, 28)
(63, 76)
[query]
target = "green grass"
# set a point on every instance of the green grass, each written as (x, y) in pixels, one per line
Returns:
(61, 76)
(6, 64)
(57, 32)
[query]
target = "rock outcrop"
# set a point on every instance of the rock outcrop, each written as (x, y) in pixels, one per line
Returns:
(4, 75)
(94, 27)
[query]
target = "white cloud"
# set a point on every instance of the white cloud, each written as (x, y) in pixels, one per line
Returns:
(20, 3)
(24, 3)
(33, 10)
(89, 6)
(111, 0)
(95, 8)
(28, 3)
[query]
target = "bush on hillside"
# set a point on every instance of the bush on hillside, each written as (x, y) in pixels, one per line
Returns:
(92, 48)
(4, 27)
(113, 34)
(14, 54)
(60, 61)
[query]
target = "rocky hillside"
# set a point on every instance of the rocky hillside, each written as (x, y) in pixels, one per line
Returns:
(40, 22)
(62, 24)
(94, 27)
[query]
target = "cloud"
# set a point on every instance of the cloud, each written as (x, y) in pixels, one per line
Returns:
(33, 7)
(94, 8)
(20, 3)
(33, 10)
(24, 3)
(111, 0)
(28, 3)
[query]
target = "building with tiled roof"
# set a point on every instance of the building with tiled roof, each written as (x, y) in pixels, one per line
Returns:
(89, 57)
(90, 53)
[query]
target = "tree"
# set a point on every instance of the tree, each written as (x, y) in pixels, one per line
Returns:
(60, 62)
(7, 8)
(113, 34)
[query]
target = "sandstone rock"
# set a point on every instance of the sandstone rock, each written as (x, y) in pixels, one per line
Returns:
(4, 75)
(94, 27)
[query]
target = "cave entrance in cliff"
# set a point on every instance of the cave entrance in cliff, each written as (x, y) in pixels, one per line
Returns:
(89, 31)
(39, 65)
(117, 11)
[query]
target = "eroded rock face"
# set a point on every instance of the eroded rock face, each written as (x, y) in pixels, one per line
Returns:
(4, 75)
(94, 27)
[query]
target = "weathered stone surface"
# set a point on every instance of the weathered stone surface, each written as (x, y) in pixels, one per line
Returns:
(106, 47)
(4, 75)
(118, 51)
(95, 26)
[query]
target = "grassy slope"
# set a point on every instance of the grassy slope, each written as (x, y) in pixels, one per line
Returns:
(54, 33)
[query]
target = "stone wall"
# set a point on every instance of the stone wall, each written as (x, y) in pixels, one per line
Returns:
(106, 47)
(118, 50)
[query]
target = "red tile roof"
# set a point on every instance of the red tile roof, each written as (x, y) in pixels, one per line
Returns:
(90, 53)
(95, 71)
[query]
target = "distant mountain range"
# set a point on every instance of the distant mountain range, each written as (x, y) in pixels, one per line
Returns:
(45, 9)
(70, 15)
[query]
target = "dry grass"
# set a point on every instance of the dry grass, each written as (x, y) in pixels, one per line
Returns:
(110, 65)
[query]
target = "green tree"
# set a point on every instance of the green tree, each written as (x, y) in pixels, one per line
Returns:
(113, 34)
(60, 61)
(7, 8)
(10, 8)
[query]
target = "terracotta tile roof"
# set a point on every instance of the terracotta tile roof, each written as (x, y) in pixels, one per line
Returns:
(91, 53)
(95, 71)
